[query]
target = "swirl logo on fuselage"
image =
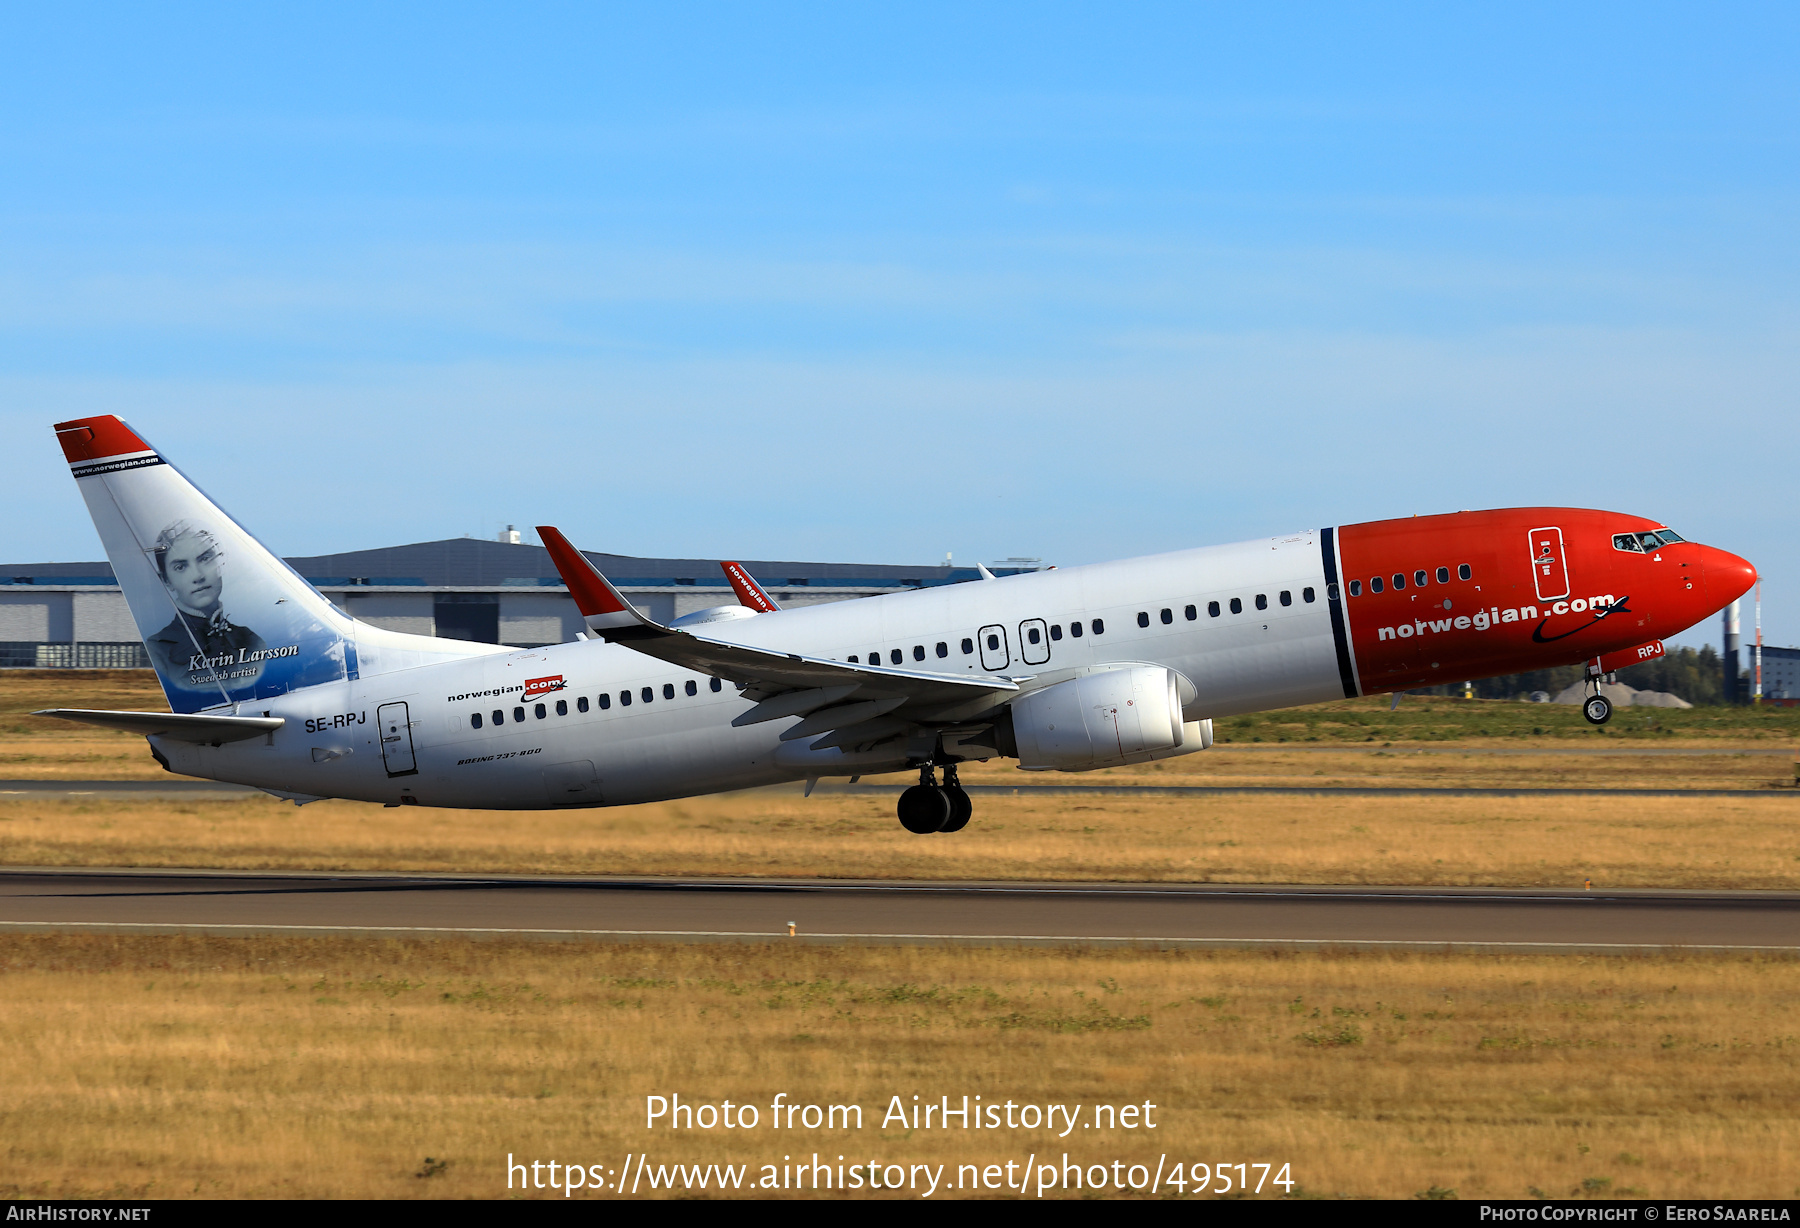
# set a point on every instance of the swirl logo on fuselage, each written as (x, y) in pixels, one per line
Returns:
(536, 687)
(1615, 607)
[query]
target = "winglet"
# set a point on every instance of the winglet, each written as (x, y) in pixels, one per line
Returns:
(601, 605)
(749, 592)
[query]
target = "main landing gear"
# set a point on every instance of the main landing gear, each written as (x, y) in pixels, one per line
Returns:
(929, 806)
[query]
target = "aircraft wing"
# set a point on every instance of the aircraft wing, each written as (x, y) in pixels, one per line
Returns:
(851, 704)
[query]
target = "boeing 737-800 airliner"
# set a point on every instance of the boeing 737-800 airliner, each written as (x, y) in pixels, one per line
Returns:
(1065, 670)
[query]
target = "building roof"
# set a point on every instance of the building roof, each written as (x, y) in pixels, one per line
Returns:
(467, 562)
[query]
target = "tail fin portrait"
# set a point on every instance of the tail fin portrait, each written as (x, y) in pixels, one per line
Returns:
(224, 621)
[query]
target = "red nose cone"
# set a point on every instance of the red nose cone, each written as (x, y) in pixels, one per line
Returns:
(1727, 576)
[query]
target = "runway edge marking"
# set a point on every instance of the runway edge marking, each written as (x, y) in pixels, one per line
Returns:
(1060, 940)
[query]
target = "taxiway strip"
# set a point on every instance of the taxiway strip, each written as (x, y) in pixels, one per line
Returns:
(994, 912)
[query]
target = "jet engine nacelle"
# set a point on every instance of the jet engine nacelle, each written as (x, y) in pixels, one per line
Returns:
(1105, 719)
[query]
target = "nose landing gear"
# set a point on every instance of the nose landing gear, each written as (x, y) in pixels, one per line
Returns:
(929, 806)
(1597, 708)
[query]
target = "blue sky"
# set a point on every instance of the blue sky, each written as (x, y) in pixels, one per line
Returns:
(861, 284)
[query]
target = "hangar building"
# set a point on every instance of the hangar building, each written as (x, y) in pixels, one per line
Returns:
(73, 615)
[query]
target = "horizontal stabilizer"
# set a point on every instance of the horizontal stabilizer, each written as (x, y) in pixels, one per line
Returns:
(204, 730)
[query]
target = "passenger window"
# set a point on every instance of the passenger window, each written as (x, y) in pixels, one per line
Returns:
(1237, 605)
(1056, 631)
(692, 688)
(1443, 575)
(1419, 578)
(647, 694)
(943, 649)
(715, 684)
(1375, 585)
(1462, 571)
(624, 699)
(993, 643)
(968, 645)
(1075, 629)
(1356, 588)
(1143, 619)
(1168, 617)
(1191, 613)
(581, 703)
(1306, 594)
(1287, 598)
(1262, 601)
(854, 659)
(918, 652)
(1099, 626)
(875, 657)
(499, 717)
(605, 702)
(1212, 609)
(539, 710)
(668, 690)
(896, 656)
(1399, 580)
(1033, 635)
(519, 715)
(474, 720)
(562, 707)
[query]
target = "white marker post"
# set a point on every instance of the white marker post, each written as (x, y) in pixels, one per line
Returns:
(1757, 694)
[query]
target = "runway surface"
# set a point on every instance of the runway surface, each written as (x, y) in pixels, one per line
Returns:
(992, 913)
(214, 789)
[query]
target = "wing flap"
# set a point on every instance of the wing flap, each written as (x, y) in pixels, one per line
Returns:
(827, 719)
(792, 703)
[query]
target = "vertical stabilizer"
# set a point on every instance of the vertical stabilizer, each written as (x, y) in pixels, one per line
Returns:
(223, 619)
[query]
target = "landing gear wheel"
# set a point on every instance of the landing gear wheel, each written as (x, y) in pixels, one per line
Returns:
(924, 809)
(1597, 709)
(960, 808)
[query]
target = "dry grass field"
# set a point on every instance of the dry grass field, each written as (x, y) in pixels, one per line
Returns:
(264, 1067)
(286, 1067)
(1743, 843)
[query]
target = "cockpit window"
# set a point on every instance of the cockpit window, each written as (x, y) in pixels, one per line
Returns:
(1650, 541)
(1627, 541)
(1670, 536)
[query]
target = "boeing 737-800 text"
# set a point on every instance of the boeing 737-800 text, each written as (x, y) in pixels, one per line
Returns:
(1069, 670)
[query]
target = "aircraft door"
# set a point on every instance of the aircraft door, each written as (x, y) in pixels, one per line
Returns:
(396, 739)
(1034, 641)
(995, 654)
(1549, 569)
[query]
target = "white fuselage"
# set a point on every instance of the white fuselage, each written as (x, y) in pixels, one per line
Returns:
(678, 745)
